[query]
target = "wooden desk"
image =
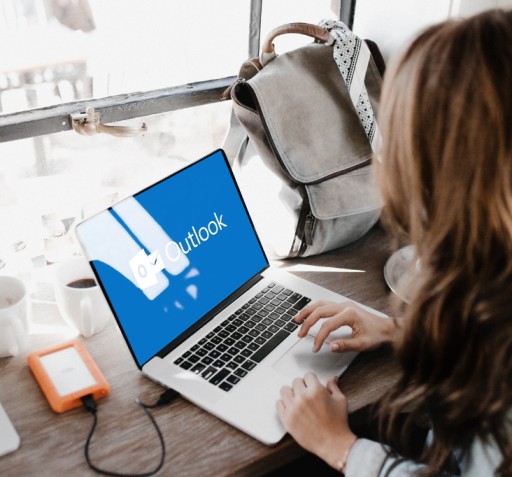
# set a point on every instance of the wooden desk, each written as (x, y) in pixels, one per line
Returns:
(196, 442)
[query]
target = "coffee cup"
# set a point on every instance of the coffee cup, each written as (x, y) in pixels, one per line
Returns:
(80, 300)
(13, 316)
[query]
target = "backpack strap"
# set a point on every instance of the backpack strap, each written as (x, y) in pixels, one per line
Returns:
(352, 55)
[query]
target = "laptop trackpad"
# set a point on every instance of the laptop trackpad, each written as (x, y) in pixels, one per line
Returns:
(300, 359)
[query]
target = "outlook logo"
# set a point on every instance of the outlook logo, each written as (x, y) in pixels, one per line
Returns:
(145, 267)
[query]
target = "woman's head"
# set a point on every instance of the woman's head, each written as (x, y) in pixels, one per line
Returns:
(446, 180)
(446, 119)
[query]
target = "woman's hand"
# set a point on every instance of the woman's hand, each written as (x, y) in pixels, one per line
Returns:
(369, 331)
(316, 417)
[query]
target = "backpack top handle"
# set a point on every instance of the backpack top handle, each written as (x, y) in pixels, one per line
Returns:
(320, 34)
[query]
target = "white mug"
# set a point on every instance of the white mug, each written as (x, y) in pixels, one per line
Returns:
(80, 300)
(13, 316)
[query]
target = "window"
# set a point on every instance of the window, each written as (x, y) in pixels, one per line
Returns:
(164, 63)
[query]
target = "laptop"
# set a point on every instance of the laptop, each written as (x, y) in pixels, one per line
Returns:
(201, 310)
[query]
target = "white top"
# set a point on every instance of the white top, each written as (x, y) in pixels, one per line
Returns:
(370, 459)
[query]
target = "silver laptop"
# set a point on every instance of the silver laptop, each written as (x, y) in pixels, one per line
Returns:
(197, 302)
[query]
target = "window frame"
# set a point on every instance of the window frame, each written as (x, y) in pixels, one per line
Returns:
(57, 118)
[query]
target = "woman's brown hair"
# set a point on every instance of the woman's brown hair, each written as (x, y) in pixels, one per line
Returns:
(446, 180)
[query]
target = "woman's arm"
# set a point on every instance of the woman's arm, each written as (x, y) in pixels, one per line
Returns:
(371, 459)
(316, 417)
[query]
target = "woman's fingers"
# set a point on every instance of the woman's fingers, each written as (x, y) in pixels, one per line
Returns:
(368, 329)
(332, 386)
(286, 394)
(346, 317)
(312, 313)
(311, 381)
(348, 344)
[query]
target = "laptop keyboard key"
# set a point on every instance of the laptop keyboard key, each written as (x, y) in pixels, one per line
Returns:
(219, 377)
(208, 372)
(231, 365)
(240, 372)
(268, 347)
(301, 303)
(232, 379)
(225, 386)
(248, 365)
(186, 365)
(198, 368)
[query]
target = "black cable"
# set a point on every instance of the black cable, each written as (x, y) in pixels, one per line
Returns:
(165, 398)
(90, 405)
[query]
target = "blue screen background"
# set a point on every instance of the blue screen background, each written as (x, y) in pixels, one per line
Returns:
(225, 262)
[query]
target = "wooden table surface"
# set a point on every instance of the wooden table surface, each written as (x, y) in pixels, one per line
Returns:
(196, 442)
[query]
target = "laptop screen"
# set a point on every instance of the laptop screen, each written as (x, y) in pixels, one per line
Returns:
(173, 252)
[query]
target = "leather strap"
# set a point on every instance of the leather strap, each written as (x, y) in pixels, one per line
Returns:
(317, 32)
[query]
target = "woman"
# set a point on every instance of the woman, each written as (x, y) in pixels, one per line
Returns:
(446, 180)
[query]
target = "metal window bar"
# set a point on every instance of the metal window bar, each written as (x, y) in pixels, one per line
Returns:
(54, 119)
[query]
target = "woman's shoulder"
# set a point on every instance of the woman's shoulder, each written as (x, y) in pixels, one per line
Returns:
(374, 459)
(483, 459)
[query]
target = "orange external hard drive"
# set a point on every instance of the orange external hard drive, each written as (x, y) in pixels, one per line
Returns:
(67, 372)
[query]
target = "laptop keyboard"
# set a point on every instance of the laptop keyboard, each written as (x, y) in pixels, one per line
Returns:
(228, 353)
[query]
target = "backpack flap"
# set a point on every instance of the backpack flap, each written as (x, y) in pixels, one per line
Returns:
(299, 114)
(317, 138)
